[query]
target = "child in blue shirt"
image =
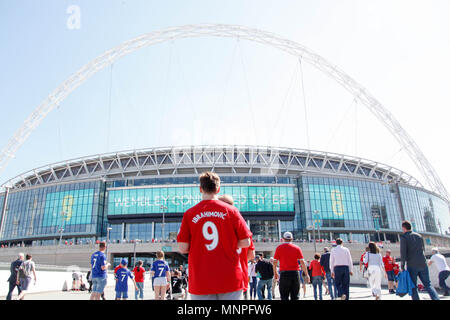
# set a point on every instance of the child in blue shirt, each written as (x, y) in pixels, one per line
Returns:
(121, 276)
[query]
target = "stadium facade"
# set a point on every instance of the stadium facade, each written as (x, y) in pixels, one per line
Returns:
(142, 193)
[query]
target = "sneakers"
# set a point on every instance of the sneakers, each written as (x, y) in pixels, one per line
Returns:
(343, 297)
(392, 291)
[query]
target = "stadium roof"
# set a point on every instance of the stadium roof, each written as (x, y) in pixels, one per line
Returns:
(223, 159)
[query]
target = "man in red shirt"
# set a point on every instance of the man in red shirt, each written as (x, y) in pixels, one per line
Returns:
(211, 232)
(288, 254)
(245, 254)
(389, 268)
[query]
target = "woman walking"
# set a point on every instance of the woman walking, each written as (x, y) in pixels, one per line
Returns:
(375, 269)
(317, 274)
(161, 273)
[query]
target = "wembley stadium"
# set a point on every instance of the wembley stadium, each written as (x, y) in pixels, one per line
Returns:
(142, 194)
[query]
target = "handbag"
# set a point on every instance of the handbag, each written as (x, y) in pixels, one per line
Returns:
(366, 274)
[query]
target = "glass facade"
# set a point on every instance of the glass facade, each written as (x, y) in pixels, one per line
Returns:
(354, 205)
(41, 212)
(426, 212)
(350, 208)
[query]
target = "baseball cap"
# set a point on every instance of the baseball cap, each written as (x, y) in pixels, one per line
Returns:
(124, 262)
(288, 235)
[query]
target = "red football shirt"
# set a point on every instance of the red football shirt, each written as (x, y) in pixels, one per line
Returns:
(117, 268)
(396, 268)
(316, 268)
(244, 262)
(288, 254)
(362, 260)
(213, 228)
(139, 273)
(388, 263)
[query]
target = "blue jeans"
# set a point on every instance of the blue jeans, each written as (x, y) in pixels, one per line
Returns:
(140, 290)
(98, 284)
(253, 287)
(424, 276)
(331, 286)
(268, 284)
(342, 280)
(317, 282)
(443, 275)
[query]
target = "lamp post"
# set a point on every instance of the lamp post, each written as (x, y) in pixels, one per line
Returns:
(61, 230)
(107, 241)
(314, 236)
(377, 225)
(134, 251)
(163, 208)
(318, 221)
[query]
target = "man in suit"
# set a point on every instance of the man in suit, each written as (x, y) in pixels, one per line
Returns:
(15, 265)
(412, 250)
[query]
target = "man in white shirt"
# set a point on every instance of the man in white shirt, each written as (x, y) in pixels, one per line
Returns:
(444, 271)
(341, 266)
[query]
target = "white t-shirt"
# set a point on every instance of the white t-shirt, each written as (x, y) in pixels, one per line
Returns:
(439, 261)
(251, 270)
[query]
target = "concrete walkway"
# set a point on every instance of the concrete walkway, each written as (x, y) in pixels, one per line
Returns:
(356, 293)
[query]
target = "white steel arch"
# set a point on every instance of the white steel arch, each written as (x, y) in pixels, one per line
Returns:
(233, 31)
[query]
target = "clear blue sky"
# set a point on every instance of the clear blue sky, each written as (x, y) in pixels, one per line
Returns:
(172, 93)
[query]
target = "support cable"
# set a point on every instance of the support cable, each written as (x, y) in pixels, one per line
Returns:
(283, 105)
(108, 137)
(162, 123)
(60, 145)
(250, 101)
(304, 104)
(334, 132)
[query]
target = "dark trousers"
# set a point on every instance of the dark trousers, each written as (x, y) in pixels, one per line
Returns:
(443, 275)
(342, 281)
(253, 287)
(12, 286)
(289, 285)
(424, 276)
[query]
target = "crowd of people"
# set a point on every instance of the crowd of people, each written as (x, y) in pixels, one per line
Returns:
(216, 237)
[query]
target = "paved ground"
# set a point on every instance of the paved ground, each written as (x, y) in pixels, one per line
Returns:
(356, 293)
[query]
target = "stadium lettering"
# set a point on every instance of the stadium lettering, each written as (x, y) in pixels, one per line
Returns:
(209, 214)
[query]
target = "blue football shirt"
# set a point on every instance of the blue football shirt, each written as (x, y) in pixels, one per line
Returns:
(122, 276)
(160, 267)
(98, 259)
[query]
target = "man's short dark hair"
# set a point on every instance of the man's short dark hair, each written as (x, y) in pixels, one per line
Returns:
(317, 256)
(339, 241)
(28, 256)
(102, 244)
(407, 225)
(209, 182)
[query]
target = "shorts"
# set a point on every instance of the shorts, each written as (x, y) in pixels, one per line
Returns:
(160, 281)
(236, 295)
(391, 275)
(121, 294)
(98, 285)
(24, 283)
